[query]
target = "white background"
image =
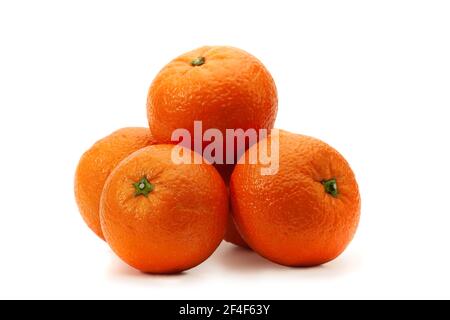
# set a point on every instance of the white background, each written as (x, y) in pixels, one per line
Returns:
(372, 78)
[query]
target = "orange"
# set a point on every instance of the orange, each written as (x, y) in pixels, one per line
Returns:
(161, 217)
(232, 234)
(307, 213)
(97, 163)
(224, 87)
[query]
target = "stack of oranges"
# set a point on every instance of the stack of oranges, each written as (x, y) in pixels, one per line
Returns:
(165, 216)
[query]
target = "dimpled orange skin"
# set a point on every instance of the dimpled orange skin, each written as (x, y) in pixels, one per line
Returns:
(97, 163)
(231, 89)
(176, 226)
(289, 218)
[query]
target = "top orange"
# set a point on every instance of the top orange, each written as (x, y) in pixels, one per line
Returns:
(224, 87)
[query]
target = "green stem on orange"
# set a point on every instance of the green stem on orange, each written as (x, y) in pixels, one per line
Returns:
(197, 62)
(331, 187)
(143, 187)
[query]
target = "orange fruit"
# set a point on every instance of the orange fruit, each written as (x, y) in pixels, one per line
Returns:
(224, 87)
(307, 213)
(97, 163)
(232, 234)
(162, 217)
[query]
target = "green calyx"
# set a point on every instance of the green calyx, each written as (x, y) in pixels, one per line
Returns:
(143, 187)
(197, 62)
(331, 187)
